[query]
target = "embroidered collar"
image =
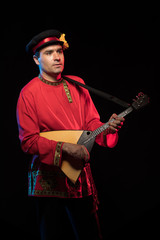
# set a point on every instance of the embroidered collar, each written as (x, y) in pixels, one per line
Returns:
(49, 82)
(67, 91)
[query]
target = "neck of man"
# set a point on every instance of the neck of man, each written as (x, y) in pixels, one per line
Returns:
(51, 77)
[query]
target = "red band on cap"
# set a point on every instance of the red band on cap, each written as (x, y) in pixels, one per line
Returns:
(44, 41)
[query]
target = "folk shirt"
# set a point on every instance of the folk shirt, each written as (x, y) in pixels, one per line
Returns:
(46, 106)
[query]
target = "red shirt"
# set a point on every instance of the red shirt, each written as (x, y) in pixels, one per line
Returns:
(45, 106)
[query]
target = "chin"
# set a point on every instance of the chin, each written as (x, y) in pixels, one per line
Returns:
(58, 71)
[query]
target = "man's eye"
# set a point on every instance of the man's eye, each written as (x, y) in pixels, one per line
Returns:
(60, 51)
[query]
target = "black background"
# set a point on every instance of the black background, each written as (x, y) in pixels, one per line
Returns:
(116, 54)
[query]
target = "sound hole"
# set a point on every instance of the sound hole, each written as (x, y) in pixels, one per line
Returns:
(88, 133)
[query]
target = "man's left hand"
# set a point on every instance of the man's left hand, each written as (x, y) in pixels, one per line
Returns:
(116, 124)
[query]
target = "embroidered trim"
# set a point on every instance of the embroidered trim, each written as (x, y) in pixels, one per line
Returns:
(67, 91)
(48, 82)
(57, 155)
(49, 193)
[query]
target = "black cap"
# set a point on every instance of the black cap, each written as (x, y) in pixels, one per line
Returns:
(46, 38)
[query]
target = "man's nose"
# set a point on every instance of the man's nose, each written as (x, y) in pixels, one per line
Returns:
(56, 57)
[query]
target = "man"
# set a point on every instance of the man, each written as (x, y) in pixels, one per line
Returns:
(49, 103)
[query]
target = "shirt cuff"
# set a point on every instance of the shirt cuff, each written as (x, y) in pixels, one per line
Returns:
(58, 154)
(110, 139)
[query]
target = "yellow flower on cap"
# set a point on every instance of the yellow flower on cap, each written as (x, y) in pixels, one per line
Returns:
(62, 39)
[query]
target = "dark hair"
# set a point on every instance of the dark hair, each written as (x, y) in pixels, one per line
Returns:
(37, 54)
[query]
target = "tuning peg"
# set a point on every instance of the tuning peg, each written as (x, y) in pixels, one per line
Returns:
(140, 94)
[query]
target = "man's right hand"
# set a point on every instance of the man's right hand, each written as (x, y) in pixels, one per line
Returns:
(75, 153)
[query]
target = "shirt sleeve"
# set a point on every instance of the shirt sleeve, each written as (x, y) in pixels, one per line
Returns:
(93, 122)
(49, 151)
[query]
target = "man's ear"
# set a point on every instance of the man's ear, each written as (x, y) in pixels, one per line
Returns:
(35, 58)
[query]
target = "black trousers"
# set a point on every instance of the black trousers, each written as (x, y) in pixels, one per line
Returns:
(67, 219)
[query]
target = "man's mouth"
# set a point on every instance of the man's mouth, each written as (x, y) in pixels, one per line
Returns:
(57, 65)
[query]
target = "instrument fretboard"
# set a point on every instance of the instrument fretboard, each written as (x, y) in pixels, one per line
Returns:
(106, 125)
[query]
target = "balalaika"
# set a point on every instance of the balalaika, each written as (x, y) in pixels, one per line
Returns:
(87, 138)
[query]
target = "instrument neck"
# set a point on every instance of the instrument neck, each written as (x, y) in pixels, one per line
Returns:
(106, 125)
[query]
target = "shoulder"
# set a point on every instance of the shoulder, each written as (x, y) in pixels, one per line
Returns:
(76, 78)
(80, 88)
(30, 90)
(27, 95)
(31, 86)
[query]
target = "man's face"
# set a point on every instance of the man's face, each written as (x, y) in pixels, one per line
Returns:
(51, 60)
